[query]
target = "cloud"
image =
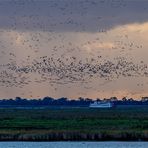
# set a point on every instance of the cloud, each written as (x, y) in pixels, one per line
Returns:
(98, 46)
(137, 27)
(71, 16)
(69, 28)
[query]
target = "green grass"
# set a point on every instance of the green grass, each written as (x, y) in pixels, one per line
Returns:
(75, 119)
(82, 120)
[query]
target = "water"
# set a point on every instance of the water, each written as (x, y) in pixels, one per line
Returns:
(73, 144)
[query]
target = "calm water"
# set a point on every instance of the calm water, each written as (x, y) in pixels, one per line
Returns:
(73, 144)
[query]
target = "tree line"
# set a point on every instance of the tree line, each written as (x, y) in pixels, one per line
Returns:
(49, 101)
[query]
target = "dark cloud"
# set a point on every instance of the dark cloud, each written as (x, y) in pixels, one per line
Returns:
(70, 15)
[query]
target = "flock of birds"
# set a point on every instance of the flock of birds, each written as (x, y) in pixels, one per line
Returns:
(58, 68)
(60, 72)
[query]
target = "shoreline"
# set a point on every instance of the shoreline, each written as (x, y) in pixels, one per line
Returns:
(48, 137)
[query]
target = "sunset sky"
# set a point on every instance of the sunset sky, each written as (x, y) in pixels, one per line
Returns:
(85, 32)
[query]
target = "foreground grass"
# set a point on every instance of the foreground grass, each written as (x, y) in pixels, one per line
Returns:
(74, 124)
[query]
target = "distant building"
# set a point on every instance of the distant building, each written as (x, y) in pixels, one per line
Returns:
(144, 99)
(101, 104)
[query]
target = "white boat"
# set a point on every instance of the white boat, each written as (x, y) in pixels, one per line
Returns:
(100, 104)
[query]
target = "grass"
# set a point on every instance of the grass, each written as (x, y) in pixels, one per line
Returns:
(117, 123)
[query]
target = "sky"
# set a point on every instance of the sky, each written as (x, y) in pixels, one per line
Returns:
(73, 48)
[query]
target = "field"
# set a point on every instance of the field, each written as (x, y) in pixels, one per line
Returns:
(120, 123)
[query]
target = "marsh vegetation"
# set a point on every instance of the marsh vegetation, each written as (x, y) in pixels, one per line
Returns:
(52, 124)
